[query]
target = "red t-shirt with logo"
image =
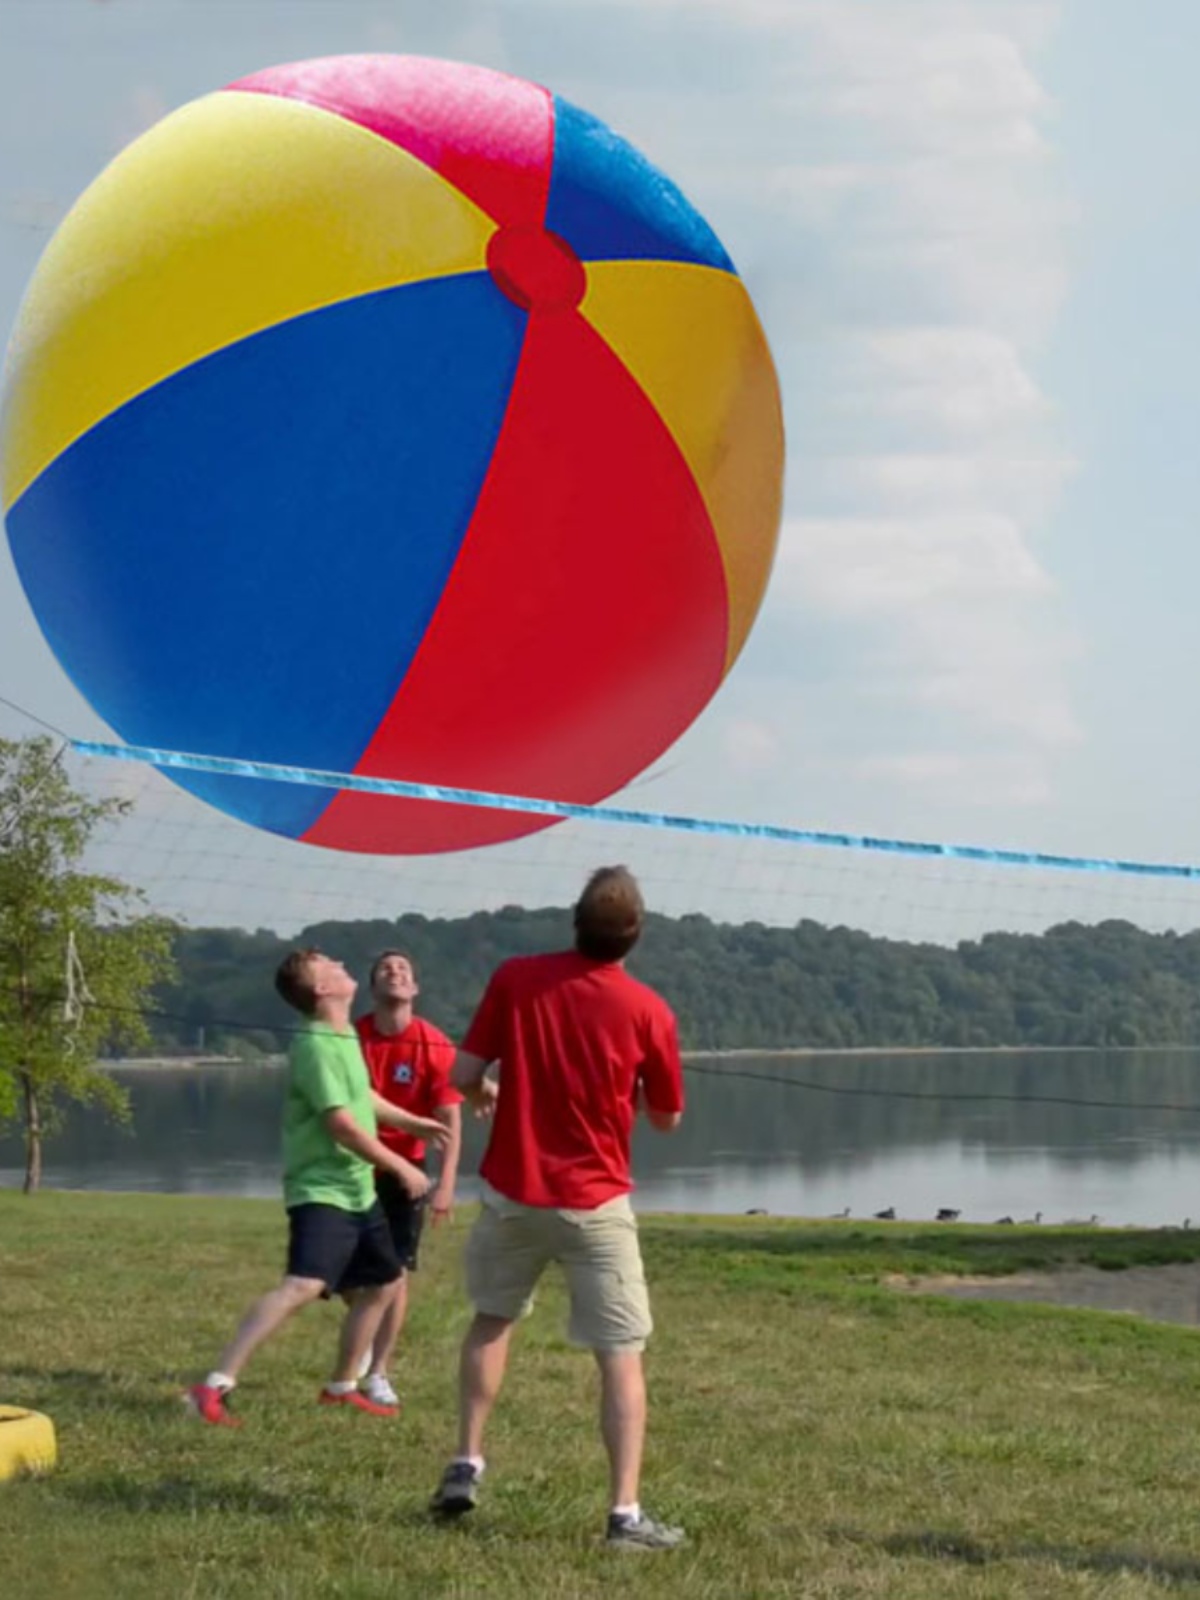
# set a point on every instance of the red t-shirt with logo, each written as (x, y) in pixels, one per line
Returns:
(410, 1069)
(575, 1039)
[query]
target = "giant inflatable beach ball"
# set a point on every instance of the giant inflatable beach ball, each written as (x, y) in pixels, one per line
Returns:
(393, 417)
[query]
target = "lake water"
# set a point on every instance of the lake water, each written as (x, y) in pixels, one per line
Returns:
(1069, 1134)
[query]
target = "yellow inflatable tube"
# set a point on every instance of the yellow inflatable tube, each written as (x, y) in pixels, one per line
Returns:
(27, 1442)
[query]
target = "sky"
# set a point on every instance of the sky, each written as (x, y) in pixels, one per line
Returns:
(971, 231)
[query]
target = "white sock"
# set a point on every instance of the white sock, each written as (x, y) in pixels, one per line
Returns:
(341, 1388)
(472, 1461)
(632, 1511)
(220, 1380)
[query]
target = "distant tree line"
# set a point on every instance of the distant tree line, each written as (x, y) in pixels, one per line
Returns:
(737, 985)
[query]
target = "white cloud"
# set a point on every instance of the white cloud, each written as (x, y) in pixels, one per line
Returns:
(1001, 669)
(948, 380)
(1023, 488)
(916, 767)
(880, 69)
(857, 567)
(945, 614)
(954, 777)
(926, 457)
(753, 747)
(1026, 21)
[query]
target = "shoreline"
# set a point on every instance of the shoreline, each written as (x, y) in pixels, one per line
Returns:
(806, 1052)
(731, 1053)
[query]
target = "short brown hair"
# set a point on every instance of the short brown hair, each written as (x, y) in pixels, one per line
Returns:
(293, 980)
(609, 915)
(383, 956)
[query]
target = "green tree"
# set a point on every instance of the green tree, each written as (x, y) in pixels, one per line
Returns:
(78, 954)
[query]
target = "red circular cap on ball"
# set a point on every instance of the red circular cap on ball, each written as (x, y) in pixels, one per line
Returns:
(536, 269)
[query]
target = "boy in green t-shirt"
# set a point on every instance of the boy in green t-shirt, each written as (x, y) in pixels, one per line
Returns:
(338, 1237)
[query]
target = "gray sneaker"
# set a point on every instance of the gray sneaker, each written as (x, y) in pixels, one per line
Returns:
(642, 1533)
(458, 1490)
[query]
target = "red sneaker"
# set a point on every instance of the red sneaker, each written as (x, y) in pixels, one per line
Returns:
(209, 1405)
(358, 1401)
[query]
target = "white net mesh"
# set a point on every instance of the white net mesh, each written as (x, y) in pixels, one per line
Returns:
(206, 869)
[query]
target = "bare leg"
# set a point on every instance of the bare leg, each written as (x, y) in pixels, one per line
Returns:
(390, 1324)
(623, 1420)
(480, 1374)
(263, 1318)
(367, 1306)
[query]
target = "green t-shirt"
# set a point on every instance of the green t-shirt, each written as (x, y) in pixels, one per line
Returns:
(325, 1070)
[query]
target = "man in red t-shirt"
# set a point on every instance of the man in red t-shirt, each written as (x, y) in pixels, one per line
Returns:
(582, 1047)
(408, 1062)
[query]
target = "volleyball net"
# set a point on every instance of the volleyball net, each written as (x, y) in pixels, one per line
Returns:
(202, 868)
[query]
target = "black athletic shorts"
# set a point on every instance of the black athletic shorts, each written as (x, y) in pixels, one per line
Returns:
(405, 1217)
(345, 1249)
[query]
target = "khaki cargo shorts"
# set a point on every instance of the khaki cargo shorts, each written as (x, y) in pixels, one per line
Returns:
(511, 1245)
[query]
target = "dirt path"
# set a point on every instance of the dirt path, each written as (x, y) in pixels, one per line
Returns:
(1164, 1294)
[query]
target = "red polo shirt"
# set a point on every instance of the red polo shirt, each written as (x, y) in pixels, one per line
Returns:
(410, 1069)
(575, 1039)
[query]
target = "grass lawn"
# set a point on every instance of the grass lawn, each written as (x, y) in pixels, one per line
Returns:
(817, 1434)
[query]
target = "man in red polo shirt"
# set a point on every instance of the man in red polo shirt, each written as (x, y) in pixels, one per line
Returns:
(582, 1047)
(408, 1062)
